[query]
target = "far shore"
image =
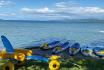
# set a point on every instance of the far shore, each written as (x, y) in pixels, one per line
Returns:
(63, 20)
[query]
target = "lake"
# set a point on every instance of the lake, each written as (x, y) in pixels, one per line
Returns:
(24, 32)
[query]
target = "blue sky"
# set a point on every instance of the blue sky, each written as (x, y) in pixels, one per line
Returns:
(51, 9)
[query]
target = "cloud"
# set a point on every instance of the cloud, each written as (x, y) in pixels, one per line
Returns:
(76, 9)
(44, 10)
(61, 5)
(92, 10)
(64, 10)
(7, 14)
(5, 3)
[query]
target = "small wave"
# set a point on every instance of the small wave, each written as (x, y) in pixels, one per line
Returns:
(101, 31)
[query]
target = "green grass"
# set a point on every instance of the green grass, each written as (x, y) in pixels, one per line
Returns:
(73, 63)
(69, 64)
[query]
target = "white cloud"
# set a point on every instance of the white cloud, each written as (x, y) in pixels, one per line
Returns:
(7, 14)
(63, 10)
(61, 5)
(34, 11)
(76, 9)
(5, 3)
(93, 10)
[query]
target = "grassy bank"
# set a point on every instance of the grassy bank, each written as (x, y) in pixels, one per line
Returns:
(69, 64)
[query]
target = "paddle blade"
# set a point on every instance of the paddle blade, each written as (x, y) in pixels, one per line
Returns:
(39, 58)
(7, 44)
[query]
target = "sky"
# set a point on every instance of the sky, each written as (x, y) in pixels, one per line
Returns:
(51, 9)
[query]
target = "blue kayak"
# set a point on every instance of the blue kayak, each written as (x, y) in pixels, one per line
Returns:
(99, 51)
(98, 47)
(74, 47)
(61, 47)
(44, 43)
(86, 51)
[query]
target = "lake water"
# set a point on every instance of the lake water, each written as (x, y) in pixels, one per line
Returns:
(23, 32)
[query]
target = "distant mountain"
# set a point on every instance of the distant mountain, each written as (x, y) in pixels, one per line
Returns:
(1, 19)
(62, 20)
(78, 20)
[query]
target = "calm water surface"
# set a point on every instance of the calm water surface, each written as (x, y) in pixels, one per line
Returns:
(23, 32)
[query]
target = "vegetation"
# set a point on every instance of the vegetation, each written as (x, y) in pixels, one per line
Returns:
(69, 64)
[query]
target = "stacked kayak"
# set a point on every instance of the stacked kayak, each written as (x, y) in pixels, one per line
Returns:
(99, 51)
(43, 47)
(86, 51)
(69, 45)
(74, 48)
(48, 47)
(63, 45)
(94, 49)
(98, 48)
(44, 44)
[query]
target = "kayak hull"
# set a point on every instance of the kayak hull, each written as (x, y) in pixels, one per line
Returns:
(74, 48)
(86, 51)
(99, 51)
